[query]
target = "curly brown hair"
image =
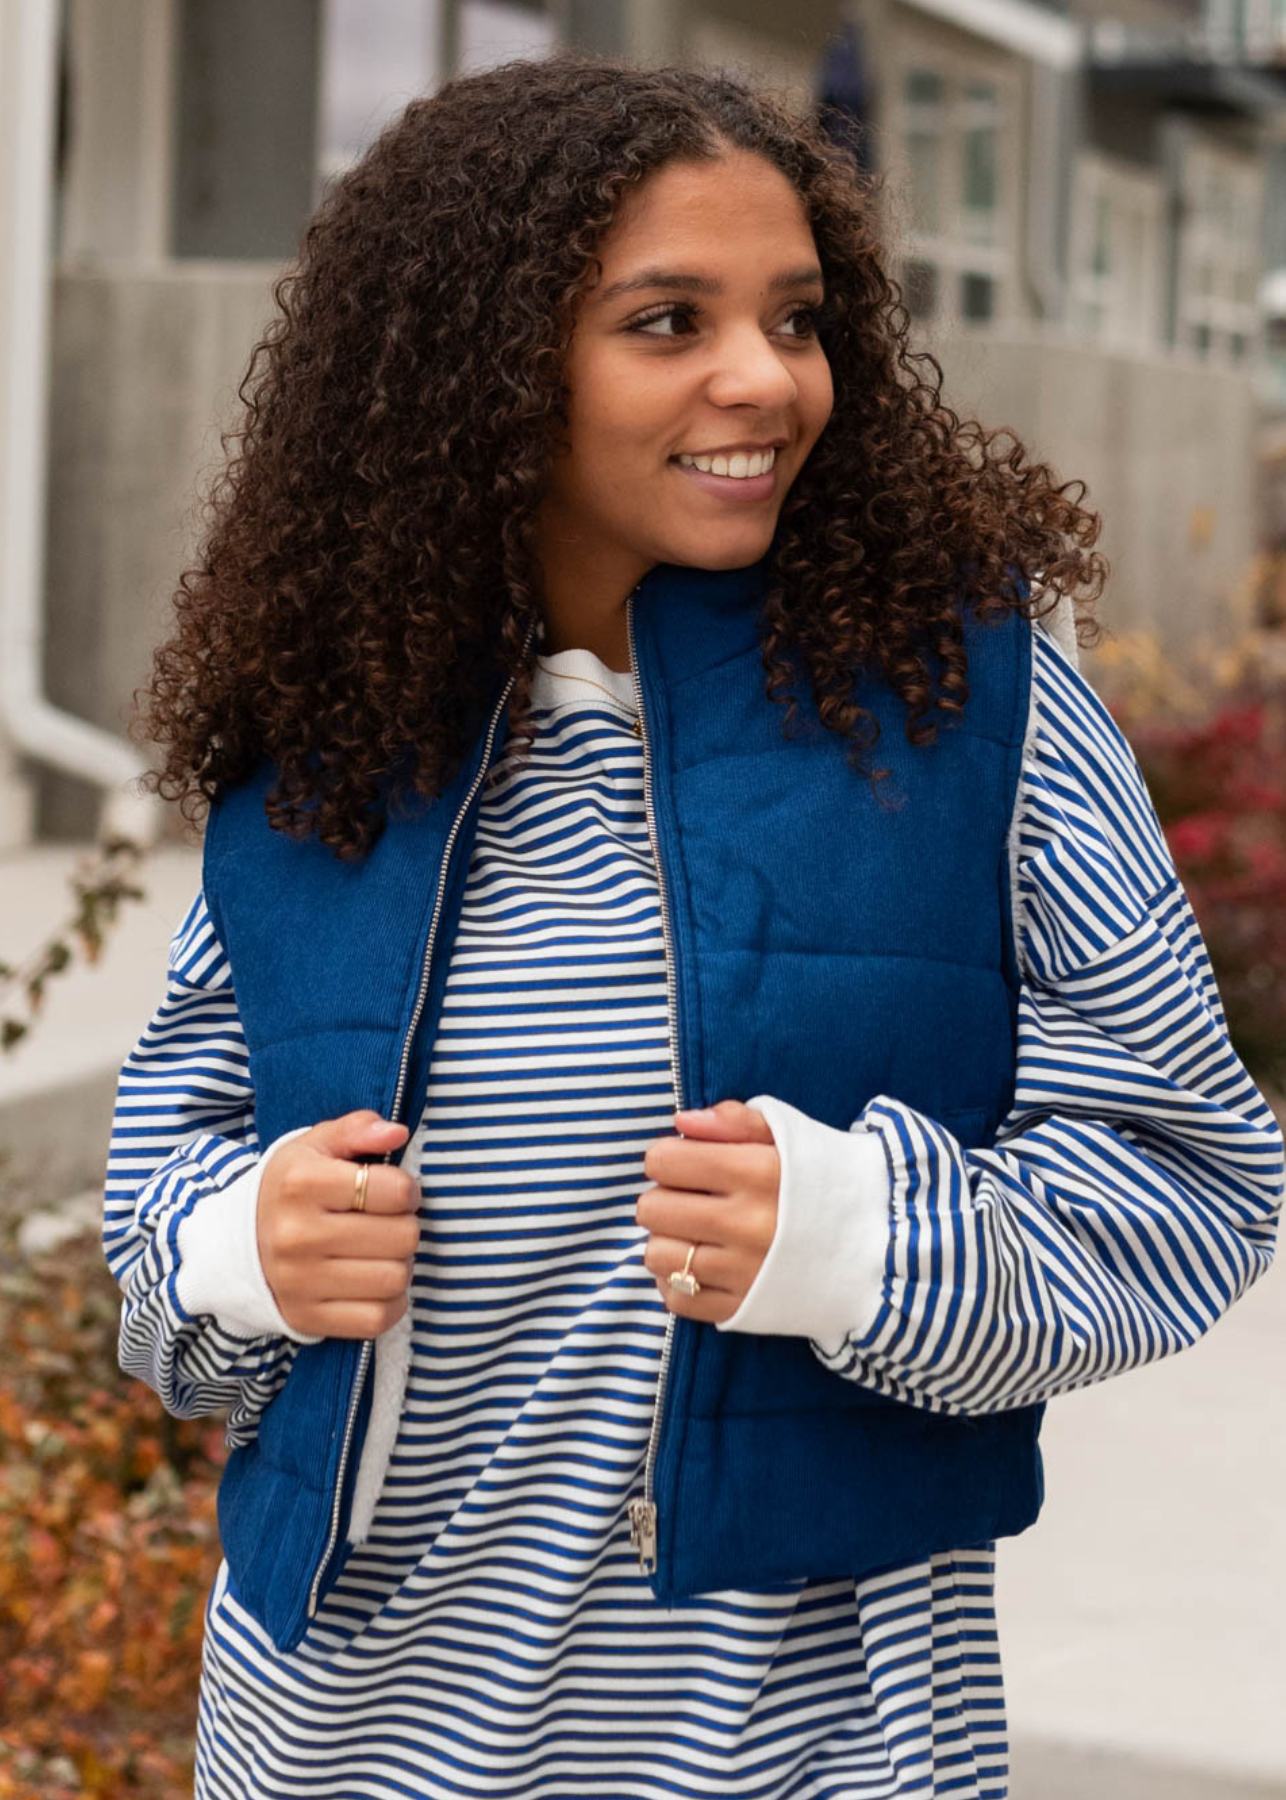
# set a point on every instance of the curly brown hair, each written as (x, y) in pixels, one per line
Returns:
(368, 572)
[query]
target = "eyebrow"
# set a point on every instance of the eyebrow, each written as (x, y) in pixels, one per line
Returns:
(705, 284)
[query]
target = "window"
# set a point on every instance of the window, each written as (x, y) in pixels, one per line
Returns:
(378, 54)
(976, 297)
(1117, 253)
(923, 87)
(980, 187)
(952, 123)
(925, 126)
(1220, 254)
(1272, 372)
(920, 285)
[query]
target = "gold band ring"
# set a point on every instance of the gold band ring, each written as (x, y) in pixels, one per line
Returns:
(683, 1279)
(359, 1193)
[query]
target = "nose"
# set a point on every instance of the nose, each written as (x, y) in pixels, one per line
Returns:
(749, 371)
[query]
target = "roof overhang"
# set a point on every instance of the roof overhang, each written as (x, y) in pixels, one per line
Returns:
(1031, 31)
(1184, 81)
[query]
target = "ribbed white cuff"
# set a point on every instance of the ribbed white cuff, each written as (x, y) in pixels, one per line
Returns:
(823, 1275)
(219, 1268)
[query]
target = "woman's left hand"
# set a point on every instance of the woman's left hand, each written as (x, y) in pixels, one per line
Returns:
(716, 1187)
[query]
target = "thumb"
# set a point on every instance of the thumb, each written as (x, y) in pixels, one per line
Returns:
(360, 1133)
(731, 1121)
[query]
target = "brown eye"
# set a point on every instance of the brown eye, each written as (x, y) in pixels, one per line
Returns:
(812, 314)
(663, 312)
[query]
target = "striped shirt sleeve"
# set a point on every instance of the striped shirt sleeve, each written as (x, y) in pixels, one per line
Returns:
(1133, 1190)
(182, 1131)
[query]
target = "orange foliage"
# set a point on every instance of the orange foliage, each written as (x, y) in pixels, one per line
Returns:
(108, 1546)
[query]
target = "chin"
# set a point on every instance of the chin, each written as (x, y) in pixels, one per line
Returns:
(733, 550)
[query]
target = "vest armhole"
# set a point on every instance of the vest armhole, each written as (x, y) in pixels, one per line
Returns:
(1014, 918)
(1061, 626)
(209, 883)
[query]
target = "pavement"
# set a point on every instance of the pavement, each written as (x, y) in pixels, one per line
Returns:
(1142, 1619)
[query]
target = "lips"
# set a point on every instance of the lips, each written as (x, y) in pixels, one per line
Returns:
(746, 488)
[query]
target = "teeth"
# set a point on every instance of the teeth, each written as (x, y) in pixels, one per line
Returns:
(739, 465)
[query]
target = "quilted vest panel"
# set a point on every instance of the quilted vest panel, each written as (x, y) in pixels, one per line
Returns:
(825, 944)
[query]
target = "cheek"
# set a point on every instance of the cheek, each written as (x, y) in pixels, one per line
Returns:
(631, 410)
(817, 396)
(613, 447)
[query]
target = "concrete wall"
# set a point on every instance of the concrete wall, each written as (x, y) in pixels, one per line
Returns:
(1166, 445)
(145, 366)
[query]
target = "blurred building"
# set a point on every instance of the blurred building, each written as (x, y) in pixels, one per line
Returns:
(1086, 206)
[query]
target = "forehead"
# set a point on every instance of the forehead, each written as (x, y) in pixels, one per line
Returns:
(739, 202)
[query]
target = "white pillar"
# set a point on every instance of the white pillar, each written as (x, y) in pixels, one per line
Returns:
(28, 69)
(17, 793)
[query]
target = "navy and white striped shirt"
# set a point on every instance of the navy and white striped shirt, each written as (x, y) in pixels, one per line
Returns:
(493, 1635)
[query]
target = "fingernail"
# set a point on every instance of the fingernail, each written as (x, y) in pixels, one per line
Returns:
(696, 1112)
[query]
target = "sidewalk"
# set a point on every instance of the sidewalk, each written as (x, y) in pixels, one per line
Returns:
(1062, 1772)
(1141, 1619)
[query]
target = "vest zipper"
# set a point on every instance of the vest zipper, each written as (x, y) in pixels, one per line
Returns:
(642, 1512)
(368, 1344)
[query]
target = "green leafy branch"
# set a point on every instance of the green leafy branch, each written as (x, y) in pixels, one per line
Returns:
(100, 884)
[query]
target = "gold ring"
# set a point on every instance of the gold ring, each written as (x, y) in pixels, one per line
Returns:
(359, 1194)
(683, 1279)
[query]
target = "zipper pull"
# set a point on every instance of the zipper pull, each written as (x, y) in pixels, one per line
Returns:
(643, 1532)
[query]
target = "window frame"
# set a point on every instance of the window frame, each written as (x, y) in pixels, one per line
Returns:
(1130, 313)
(1219, 185)
(951, 250)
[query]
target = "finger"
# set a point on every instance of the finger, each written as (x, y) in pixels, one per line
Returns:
(388, 1188)
(727, 1120)
(714, 1268)
(362, 1235)
(361, 1278)
(351, 1318)
(360, 1133)
(735, 1222)
(711, 1305)
(709, 1167)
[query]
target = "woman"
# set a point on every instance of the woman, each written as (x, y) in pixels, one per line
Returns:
(634, 1169)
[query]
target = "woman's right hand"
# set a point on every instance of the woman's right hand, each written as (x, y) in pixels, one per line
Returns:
(335, 1272)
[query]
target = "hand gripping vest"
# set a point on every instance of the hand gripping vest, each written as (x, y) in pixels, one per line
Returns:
(822, 945)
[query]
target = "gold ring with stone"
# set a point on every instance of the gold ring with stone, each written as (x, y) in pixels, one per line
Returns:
(683, 1279)
(359, 1193)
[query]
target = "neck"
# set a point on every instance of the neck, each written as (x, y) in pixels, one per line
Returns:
(584, 598)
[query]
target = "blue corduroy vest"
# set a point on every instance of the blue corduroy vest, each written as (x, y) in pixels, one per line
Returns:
(824, 945)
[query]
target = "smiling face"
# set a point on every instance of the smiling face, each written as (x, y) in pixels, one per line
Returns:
(699, 337)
